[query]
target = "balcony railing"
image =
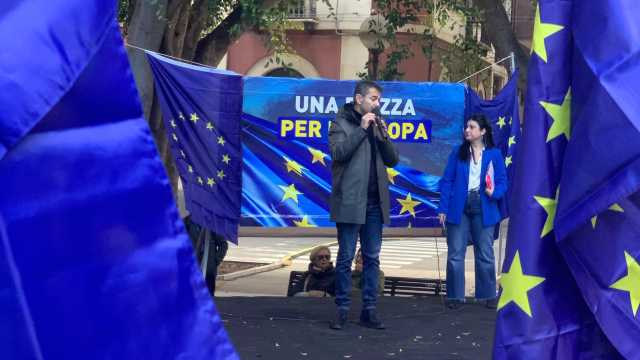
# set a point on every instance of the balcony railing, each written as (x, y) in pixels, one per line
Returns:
(474, 30)
(303, 10)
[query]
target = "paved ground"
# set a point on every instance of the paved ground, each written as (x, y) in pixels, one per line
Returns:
(411, 257)
(298, 328)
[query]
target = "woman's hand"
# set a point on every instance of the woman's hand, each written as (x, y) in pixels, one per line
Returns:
(489, 191)
(442, 218)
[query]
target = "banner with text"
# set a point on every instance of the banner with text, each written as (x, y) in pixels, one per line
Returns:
(287, 166)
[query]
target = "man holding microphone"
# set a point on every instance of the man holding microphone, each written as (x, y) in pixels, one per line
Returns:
(361, 150)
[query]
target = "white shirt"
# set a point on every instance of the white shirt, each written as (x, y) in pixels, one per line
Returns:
(474, 171)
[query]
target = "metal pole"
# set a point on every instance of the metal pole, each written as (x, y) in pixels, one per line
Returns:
(513, 63)
(205, 235)
(501, 235)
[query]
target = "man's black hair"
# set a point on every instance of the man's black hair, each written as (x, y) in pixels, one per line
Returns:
(363, 86)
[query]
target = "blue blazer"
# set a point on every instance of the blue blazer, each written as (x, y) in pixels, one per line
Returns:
(455, 182)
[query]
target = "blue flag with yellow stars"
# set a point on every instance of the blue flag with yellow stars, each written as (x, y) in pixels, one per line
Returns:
(201, 108)
(287, 163)
(541, 311)
(597, 222)
(94, 259)
(503, 112)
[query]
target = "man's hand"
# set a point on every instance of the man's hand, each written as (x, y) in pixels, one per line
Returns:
(367, 120)
(384, 126)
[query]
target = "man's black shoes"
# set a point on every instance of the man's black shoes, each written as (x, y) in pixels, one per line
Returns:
(369, 318)
(453, 304)
(341, 320)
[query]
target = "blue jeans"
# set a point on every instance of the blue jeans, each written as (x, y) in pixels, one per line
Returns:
(370, 243)
(482, 238)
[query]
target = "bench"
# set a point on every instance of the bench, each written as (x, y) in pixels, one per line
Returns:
(393, 285)
(406, 286)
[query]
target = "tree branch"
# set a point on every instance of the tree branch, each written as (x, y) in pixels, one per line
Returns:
(176, 29)
(212, 47)
(197, 22)
(501, 34)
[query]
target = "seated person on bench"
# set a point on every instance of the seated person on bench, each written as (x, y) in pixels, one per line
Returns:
(356, 275)
(320, 279)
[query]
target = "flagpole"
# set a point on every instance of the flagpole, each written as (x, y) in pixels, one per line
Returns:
(486, 67)
(169, 56)
(513, 63)
(503, 229)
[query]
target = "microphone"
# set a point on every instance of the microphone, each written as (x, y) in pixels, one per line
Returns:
(379, 125)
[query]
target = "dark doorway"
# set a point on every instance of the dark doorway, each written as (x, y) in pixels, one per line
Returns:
(284, 72)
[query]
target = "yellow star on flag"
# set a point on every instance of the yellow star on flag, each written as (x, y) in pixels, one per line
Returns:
(180, 116)
(290, 192)
(408, 204)
(516, 285)
(175, 138)
(293, 166)
(391, 174)
(561, 115)
(173, 123)
(510, 120)
(540, 33)
(631, 282)
(501, 122)
(221, 140)
(512, 140)
(317, 156)
(221, 174)
(549, 206)
(210, 126)
(614, 207)
(200, 180)
(226, 159)
(183, 154)
(304, 222)
(211, 182)
(194, 118)
(190, 169)
(507, 161)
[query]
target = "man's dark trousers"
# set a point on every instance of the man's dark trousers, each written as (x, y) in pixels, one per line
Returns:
(370, 241)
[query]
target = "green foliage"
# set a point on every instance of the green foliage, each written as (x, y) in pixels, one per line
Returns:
(123, 11)
(464, 56)
(267, 17)
(461, 57)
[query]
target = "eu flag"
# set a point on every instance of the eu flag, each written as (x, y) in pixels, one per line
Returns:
(597, 223)
(201, 108)
(94, 259)
(541, 311)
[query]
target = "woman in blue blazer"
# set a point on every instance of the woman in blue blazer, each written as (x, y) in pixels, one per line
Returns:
(469, 205)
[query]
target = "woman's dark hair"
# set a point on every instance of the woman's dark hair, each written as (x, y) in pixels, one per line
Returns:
(487, 139)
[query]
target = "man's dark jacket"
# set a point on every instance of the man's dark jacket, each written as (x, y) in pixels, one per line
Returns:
(351, 160)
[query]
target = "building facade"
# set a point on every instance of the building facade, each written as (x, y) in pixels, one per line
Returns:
(330, 46)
